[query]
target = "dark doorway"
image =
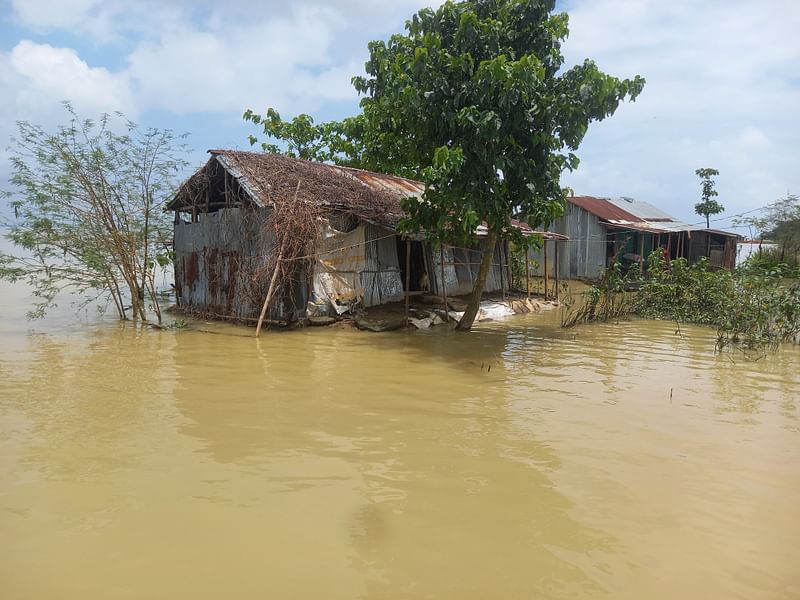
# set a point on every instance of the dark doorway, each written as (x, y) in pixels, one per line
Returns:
(417, 262)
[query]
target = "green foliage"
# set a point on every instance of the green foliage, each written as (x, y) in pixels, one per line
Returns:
(708, 206)
(772, 258)
(334, 141)
(474, 94)
(516, 260)
(88, 210)
(752, 307)
(610, 299)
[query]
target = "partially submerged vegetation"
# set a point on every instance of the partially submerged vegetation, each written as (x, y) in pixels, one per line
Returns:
(88, 212)
(753, 307)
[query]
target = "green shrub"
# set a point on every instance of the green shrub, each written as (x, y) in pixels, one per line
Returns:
(754, 307)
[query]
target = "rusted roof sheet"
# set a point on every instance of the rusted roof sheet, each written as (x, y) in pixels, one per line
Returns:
(602, 208)
(392, 184)
(641, 216)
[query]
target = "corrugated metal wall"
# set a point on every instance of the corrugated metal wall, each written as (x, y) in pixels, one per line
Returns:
(461, 267)
(214, 262)
(209, 259)
(216, 256)
(583, 256)
(381, 276)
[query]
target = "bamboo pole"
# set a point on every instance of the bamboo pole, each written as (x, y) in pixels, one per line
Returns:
(270, 291)
(408, 276)
(444, 285)
(527, 273)
(556, 268)
(544, 246)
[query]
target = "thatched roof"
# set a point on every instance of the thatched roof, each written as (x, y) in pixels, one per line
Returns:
(271, 178)
(267, 179)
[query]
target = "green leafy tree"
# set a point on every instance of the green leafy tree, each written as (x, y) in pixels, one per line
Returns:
(333, 141)
(475, 95)
(709, 206)
(474, 101)
(88, 211)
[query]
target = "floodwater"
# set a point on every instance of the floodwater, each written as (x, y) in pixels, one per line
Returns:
(516, 461)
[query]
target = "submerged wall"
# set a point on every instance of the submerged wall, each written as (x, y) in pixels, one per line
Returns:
(213, 258)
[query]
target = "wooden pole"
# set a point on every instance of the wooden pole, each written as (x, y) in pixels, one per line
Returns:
(544, 247)
(444, 285)
(408, 275)
(527, 273)
(502, 269)
(556, 267)
(270, 291)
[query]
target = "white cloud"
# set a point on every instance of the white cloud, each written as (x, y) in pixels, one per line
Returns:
(287, 61)
(39, 75)
(36, 78)
(723, 90)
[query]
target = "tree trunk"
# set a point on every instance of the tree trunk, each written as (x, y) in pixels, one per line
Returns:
(708, 222)
(465, 324)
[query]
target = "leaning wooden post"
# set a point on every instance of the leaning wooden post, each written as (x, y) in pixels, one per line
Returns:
(444, 285)
(272, 281)
(408, 275)
(556, 243)
(270, 291)
(544, 245)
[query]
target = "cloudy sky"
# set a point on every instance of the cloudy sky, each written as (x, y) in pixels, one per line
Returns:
(723, 79)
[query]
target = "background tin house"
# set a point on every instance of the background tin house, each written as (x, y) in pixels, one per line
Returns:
(600, 228)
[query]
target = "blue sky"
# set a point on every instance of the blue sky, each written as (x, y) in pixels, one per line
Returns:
(723, 79)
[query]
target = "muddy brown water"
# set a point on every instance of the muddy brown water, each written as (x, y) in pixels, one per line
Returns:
(516, 461)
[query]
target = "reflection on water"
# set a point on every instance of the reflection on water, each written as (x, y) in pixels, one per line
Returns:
(517, 461)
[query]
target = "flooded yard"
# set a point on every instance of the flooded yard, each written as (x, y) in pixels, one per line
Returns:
(517, 461)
